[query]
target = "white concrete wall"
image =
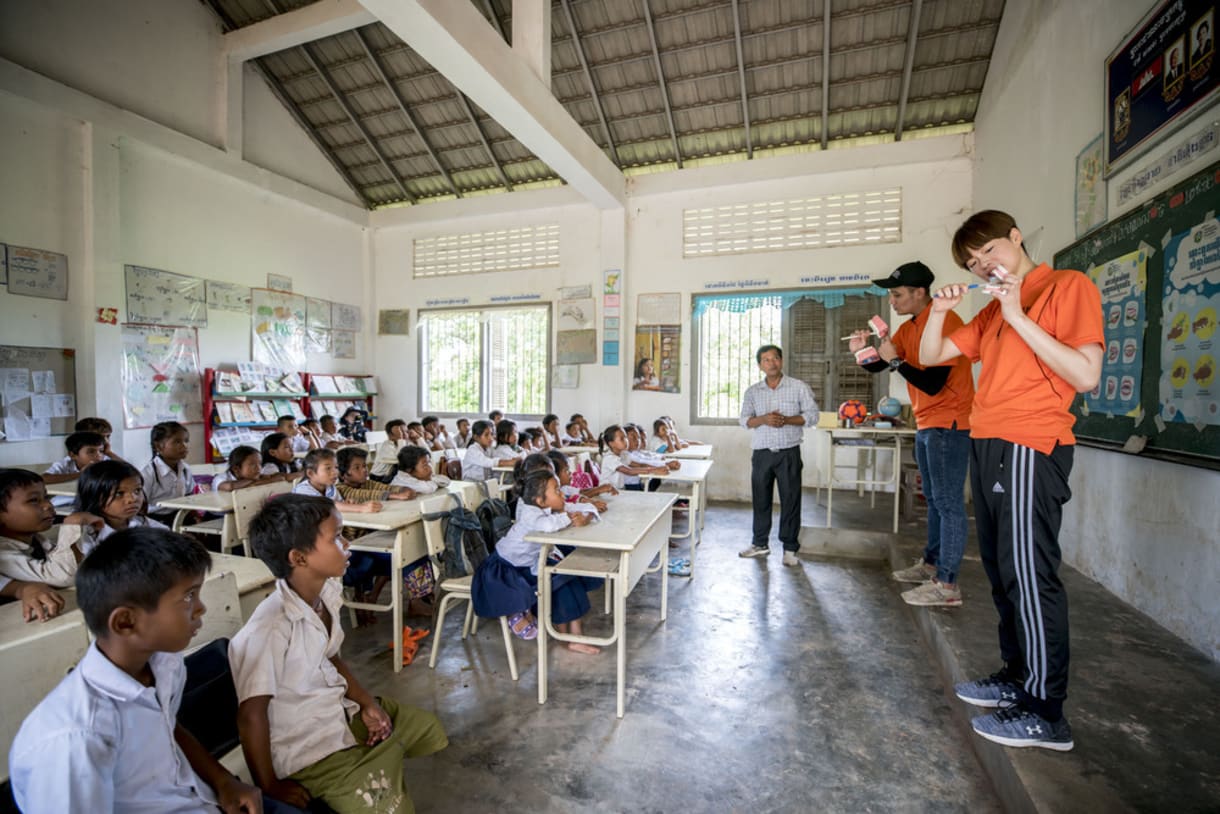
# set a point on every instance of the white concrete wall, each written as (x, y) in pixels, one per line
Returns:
(1147, 530)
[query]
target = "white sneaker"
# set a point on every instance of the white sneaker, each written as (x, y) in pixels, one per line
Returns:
(790, 558)
(917, 573)
(755, 551)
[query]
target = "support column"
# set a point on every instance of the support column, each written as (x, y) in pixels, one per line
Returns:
(532, 36)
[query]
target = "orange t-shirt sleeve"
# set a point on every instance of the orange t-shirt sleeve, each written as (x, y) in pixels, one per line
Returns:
(969, 337)
(1078, 317)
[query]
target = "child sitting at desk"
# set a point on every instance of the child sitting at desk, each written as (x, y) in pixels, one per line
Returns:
(550, 431)
(387, 451)
(563, 471)
(308, 728)
(354, 485)
(436, 435)
(586, 435)
(84, 448)
(480, 459)
(572, 435)
(616, 467)
(321, 475)
(464, 436)
(328, 433)
(106, 738)
(32, 562)
(278, 457)
(102, 427)
(506, 583)
(351, 425)
(114, 492)
(415, 472)
(506, 441)
(244, 469)
(301, 442)
(166, 475)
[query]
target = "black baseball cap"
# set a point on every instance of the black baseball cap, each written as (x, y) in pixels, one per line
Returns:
(914, 274)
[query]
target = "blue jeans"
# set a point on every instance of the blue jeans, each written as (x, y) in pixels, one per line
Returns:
(943, 456)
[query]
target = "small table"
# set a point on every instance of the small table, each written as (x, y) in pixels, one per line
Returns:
(255, 582)
(695, 473)
(64, 489)
(638, 532)
(696, 452)
(215, 502)
(873, 438)
(402, 518)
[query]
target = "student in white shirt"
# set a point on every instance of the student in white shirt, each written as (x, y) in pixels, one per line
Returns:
(506, 441)
(417, 436)
(309, 729)
(84, 448)
(415, 472)
(278, 457)
(114, 492)
(550, 431)
(328, 434)
(480, 456)
(616, 470)
(321, 479)
(106, 738)
(301, 442)
(387, 451)
(572, 435)
(102, 427)
(436, 435)
(464, 436)
(167, 474)
(244, 469)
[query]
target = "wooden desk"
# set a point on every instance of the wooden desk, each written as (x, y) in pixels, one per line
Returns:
(865, 439)
(215, 502)
(65, 489)
(401, 517)
(637, 529)
(255, 582)
(695, 452)
(695, 473)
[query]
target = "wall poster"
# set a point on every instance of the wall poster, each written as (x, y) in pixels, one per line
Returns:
(657, 358)
(160, 372)
(278, 329)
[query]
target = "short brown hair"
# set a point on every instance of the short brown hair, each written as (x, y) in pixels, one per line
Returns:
(978, 229)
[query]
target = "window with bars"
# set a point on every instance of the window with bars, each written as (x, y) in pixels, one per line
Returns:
(476, 361)
(824, 221)
(520, 248)
(729, 330)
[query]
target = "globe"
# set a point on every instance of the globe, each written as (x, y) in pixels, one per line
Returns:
(889, 406)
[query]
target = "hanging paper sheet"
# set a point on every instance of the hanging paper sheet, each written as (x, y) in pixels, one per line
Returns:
(278, 329)
(317, 325)
(161, 380)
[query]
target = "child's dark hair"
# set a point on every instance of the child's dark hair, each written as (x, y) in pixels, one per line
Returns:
(98, 484)
(315, 457)
(270, 442)
(658, 425)
(413, 425)
(492, 415)
(481, 426)
(327, 417)
(284, 419)
(135, 567)
(463, 418)
(559, 461)
(239, 455)
(393, 424)
(504, 429)
(409, 456)
(93, 424)
(603, 440)
(348, 454)
(429, 420)
(533, 486)
(569, 426)
(163, 432)
(548, 418)
(13, 479)
(77, 441)
(576, 417)
(288, 523)
(531, 463)
(309, 422)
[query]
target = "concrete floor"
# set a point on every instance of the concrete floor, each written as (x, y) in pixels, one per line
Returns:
(768, 689)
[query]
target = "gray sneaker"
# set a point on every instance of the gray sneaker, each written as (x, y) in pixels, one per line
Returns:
(790, 558)
(755, 551)
(996, 690)
(1020, 727)
(917, 573)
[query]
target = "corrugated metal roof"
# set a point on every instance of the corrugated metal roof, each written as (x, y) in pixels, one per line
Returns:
(399, 132)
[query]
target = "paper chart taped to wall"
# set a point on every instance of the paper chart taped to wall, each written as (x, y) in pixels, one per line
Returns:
(156, 297)
(161, 376)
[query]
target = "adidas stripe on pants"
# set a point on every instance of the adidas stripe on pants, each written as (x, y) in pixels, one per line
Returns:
(1018, 506)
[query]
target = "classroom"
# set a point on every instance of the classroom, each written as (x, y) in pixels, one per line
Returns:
(607, 208)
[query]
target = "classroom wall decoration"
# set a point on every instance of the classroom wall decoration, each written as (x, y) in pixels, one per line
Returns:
(344, 344)
(279, 282)
(1158, 269)
(612, 291)
(576, 347)
(228, 297)
(658, 309)
(156, 297)
(278, 329)
(1091, 201)
(161, 375)
(317, 325)
(345, 317)
(575, 315)
(657, 358)
(37, 392)
(36, 273)
(394, 322)
(1164, 69)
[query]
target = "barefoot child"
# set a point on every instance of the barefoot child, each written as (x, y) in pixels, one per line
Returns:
(506, 583)
(309, 729)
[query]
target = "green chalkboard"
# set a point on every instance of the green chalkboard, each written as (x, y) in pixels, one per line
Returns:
(1158, 268)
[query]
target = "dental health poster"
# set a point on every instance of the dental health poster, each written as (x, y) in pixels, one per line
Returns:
(1188, 387)
(1123, 283)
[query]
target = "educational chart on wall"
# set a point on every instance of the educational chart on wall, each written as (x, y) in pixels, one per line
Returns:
(278, 329)
(1165, 68)
(161, 375)
(657, 358)
(36, 273)
(1190, 302)
(317, 325)
(344, 317)
(1169, 327)
(156, 297)
(1123, 282)
(37, 392)
(228, 297)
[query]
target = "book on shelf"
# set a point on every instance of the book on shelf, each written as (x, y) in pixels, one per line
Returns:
(268, 411)
(324, 385)
(292, 383)
(225, 440)
(282, 407)
(294, 407)
(369, 385)
(347, 385)
(228, 381)
(224, 412)
(243, 413)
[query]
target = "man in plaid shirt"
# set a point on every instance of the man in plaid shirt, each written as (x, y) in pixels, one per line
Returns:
(777, 409)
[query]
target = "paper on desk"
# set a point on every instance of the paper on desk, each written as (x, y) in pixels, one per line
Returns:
(586, 508)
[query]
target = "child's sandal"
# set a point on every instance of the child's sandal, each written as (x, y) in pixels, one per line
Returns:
(523, 626)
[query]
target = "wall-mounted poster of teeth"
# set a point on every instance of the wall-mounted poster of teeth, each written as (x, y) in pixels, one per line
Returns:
(1123, 283)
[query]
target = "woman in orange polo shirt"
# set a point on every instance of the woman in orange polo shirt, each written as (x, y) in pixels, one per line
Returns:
(1040, 342)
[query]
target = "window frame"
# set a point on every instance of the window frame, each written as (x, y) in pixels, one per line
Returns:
(484, 372)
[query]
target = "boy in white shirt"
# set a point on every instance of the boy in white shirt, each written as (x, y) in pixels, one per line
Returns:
(415, 472)
(436, 434)
(84, 449)
(300, 441)
(106, 738)
(464, 436)
(329, 433)
(387, 451)
(308, 728)
(322, 478)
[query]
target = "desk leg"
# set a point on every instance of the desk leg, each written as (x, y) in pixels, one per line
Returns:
(620, 619)
(396, 596)
(544, 612)
(696, 516)
(830, 480)
(897, 478)
(178, 520)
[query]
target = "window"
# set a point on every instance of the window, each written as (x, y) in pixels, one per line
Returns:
(474, 361)
(807, 325)
(524, 247)
(847, 219)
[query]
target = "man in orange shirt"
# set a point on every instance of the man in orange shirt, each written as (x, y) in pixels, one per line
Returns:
(1040, 342)
(940, 398)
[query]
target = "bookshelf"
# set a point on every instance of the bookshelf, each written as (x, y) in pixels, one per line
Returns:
(241, 405)
(333, 394)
